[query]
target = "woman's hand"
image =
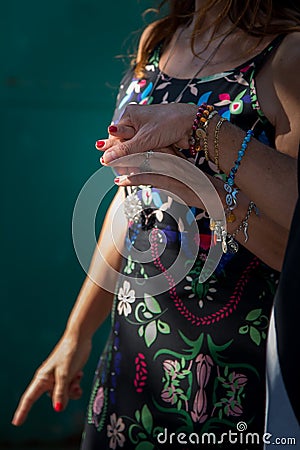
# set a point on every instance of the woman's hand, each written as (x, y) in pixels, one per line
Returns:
(182, 191)
(59, 376)
(148, 127)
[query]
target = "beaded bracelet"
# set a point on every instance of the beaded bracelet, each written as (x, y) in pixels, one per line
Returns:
(201, 132)
(199, 129)
(231, 191)
(232, 245)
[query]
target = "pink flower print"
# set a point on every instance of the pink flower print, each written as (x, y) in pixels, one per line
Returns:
(238, 380)
(98, 402)
(203, 371)
(141, 373)
(228, 106)
(169, 395)
(114, 432)
(204, 365)
(234, 408)
(198, 413)
(224, 99)
(171, 367)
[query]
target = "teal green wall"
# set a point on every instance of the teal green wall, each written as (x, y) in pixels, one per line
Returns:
(59, 80)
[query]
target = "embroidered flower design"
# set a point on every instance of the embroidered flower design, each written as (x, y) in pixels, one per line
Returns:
(114, 432)
(233, 385)
(171, 367)
(98, 402)
(132, 208)
(237, 380)
(175, 373)
(126, 296)
(227, 106)
(203, 291)
(204, 366)
(234, 408)
(169, 395)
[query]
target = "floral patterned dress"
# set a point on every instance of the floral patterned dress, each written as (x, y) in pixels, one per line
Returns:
(190, 360)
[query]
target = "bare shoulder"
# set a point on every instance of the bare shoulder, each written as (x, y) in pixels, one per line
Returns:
(278, 88)
(287, 57)
(144, 37)
(286, 82)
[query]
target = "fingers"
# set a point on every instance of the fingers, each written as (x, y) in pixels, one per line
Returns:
(121, 131)
(124, 141)
(42, 384)
(134, 146)
(118, 150)
(37, 387)
(179, 191)
(114, 148)
(60, 395)
(75, 391)
(104, 144)
(64, 390)
(144, 179)
(116, 133)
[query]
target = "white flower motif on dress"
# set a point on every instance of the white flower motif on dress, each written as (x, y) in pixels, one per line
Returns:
(114, 432)
(202, 291)
(132, 207)
(126, 296)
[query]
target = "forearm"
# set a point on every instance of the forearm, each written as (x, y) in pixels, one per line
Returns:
(92, 307)
(95, 298)
(265, 174)
(266, 238)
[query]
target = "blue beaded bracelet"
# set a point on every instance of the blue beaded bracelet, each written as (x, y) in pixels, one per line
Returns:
(231, 191)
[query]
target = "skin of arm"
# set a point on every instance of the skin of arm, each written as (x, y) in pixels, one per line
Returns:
(60, 373)
(94, 302)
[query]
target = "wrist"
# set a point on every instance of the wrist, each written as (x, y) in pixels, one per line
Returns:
(187, 114)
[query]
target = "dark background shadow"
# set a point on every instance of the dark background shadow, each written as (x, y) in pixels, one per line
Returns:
(59, 79)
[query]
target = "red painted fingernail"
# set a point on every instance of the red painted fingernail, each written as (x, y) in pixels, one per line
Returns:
(58, 407)
(102, 160)
(112, 129)
(100, 144)
(116, 180)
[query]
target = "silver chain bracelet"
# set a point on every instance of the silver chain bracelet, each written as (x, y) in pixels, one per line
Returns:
(232, 245)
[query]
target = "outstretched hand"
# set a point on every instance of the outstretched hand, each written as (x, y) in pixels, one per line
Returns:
(59, 376)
